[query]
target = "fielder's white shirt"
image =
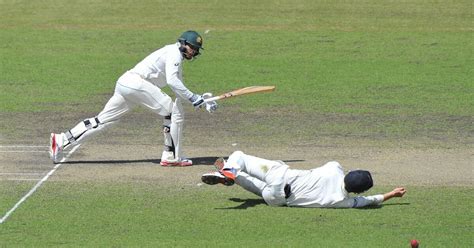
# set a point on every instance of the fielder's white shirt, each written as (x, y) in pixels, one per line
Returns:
(323, 187)
(164, 68)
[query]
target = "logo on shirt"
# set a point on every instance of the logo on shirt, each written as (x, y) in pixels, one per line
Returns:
(176, 64)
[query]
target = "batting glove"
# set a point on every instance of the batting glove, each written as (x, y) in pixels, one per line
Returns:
(197, 101)
(210, 106)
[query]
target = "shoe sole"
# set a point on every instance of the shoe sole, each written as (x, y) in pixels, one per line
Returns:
(213, 180)
(177, 164)
(219, 164)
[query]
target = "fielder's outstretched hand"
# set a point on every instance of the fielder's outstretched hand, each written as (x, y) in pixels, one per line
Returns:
(397, 192)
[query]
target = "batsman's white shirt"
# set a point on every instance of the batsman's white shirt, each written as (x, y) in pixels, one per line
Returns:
(164, 67)
(323, 187)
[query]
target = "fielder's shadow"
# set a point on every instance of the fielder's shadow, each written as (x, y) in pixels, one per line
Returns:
(383, 205)
(248, 203)
(245, 203)
(293, 160)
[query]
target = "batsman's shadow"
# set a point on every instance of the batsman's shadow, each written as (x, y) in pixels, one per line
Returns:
(196, 161)
(118, 161)
(205, 160)
(211, 160)
(245, 203)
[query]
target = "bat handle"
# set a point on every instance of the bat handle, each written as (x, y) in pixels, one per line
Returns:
(212, 99)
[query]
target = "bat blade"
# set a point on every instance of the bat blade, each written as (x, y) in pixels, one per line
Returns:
(242, 91)
(251, 89)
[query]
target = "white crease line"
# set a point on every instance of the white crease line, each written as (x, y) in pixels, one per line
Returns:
(20, 179)
(22, 173)
(4, 218)
(20, 146)
(25, 151)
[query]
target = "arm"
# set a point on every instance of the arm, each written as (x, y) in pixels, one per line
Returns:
(397, 192)
(174, 80)
(363, 201)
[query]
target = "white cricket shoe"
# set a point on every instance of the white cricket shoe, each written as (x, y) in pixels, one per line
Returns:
(55, 147)
(181, 162)
(219, 164)
(168, 159)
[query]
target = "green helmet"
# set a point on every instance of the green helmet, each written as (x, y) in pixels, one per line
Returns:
(191, 37)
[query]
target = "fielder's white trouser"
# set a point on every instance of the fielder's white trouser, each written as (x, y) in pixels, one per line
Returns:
(131, 90)
(260, 176)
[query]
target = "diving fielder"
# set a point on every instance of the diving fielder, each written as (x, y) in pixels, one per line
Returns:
(142, 86)
(278, 185)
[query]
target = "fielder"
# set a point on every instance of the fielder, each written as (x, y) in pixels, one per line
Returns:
(322, 187)
(142, 86)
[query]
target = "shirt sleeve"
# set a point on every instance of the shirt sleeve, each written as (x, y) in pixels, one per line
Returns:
(174, 79)
(359, 201)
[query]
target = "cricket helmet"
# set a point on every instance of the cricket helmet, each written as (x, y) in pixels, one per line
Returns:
(358, 181)
(191, 37)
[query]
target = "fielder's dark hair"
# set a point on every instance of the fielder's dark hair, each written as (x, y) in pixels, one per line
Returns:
(358, 181)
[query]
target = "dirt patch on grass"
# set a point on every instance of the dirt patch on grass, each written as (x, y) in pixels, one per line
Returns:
(130, 151)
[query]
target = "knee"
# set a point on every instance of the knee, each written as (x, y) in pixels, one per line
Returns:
(237, 154)
(273, 197)
(177, 118)
(334, 164)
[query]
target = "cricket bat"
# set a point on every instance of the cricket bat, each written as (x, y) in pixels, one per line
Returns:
(242, 91)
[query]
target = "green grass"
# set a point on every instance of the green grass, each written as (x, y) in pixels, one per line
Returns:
(138, 215)
(382, 70)
(405, 66)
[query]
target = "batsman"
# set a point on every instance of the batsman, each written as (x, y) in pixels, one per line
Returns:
(141, 86)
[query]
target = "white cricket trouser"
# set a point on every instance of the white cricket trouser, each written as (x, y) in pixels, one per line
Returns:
(131, 90)
(260, 176)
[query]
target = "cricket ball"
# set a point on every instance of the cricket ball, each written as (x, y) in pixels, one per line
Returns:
(414, 243)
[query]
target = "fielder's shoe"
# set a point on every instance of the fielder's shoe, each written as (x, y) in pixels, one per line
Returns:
(55, 147)
(219, 164)
(182, 162)
(223, 176)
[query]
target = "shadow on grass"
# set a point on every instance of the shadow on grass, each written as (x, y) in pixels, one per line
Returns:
(120, 161)
(293, 160)
(248, 203)
(245, 203)
(205, 160)
(196, 161)
(383, 205)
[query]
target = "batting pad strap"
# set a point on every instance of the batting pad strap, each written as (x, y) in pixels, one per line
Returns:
(169, 148)
(70, 137)
(87, 123)
(91, 123)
